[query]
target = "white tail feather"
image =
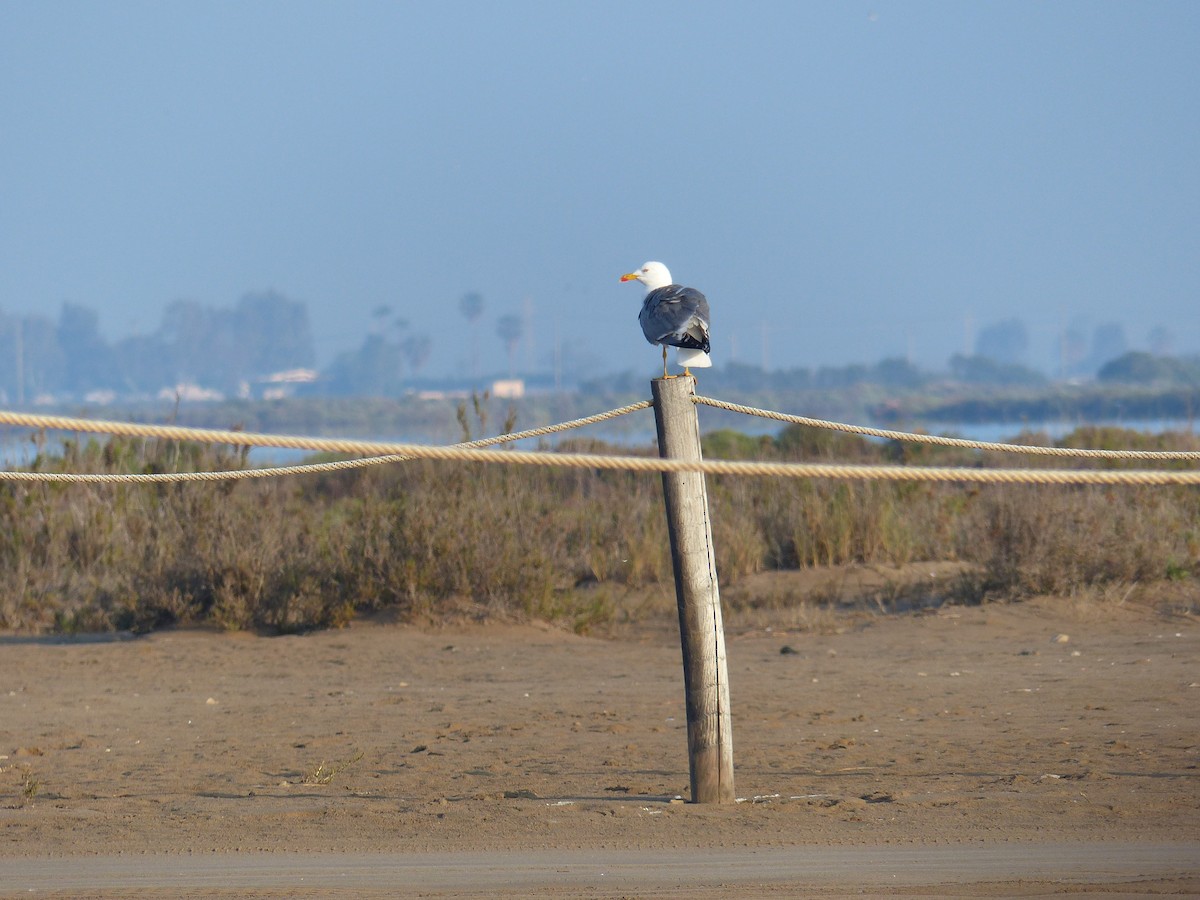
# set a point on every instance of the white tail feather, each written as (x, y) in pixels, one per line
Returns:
(692, 359)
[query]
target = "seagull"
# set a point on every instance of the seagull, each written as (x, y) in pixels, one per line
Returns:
(673, 316)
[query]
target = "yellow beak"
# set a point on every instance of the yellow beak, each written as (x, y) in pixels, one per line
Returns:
(631, 276)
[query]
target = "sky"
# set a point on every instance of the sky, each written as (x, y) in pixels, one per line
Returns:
(845, 181)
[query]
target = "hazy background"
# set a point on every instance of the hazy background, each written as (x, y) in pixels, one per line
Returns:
(845, 181)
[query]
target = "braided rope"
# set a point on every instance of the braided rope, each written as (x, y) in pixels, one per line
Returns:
(711, 467)
(251, 439)
(948, 441)
(474, 451)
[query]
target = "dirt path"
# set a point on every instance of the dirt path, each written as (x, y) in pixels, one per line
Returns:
(957, 735)
(996, 870)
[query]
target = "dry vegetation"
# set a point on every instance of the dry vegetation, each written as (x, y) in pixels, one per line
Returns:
(427, 540)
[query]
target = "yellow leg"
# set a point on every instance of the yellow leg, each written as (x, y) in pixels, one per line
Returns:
(665, 375)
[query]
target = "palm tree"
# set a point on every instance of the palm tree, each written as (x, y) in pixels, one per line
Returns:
(510, 329)
(416, 349)
(379, 317)
(471, 306)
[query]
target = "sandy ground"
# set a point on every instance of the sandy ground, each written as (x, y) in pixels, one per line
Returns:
(963, 751)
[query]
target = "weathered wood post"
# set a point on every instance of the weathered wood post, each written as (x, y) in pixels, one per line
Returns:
(705, 674)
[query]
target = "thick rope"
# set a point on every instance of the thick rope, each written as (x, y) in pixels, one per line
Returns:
(270, 472)
(395, 452)
(710, 467)
(1032, 450)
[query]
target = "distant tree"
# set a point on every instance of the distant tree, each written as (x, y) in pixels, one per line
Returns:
(510, 329)
(416, 349)
(223, 348)
(215, 347)
(43, 365)
(897, 372)
(274, 334)
(374, 370)
(190, 343)
(798, 378)
(1005, 342)
(985, 370)
(1146, 368)
(1135, 368)
(11, 376)
(742, 377)
(1072, 350)
(143, 364)
(840, 376)
(379, 317)
(87, 357)
(1108, 342)
(471, 306)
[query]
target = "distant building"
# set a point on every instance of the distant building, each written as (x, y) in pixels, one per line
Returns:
(292, 376)
(100, 397)
(509, 388)
(277, 385)
(191, 392)
(443, 395)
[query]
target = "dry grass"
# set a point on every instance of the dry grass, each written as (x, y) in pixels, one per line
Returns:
(427, 540)
(324, 772)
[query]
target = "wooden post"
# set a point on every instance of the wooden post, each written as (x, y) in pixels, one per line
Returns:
(705, 674)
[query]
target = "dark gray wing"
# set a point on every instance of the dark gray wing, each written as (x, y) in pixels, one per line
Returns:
(676, 316)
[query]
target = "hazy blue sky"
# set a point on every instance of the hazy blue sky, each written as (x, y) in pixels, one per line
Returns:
(851, 179)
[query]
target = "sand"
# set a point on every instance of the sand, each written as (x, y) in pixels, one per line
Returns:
(1001, 750)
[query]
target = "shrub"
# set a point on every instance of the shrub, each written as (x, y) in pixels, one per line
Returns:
(430, 539)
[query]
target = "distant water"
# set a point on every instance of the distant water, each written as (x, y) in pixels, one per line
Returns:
(1002, 431)
(645, 436)
(15, 450)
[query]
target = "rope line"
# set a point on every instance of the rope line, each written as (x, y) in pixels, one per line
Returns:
(1033, 450)
(710, 467)
(474, 451)
(204, 435)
